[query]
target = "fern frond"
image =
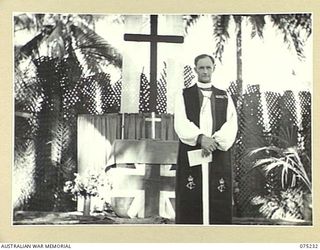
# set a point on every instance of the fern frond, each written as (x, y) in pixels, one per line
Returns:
(61, 139)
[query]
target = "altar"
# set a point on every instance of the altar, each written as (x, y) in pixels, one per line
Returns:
(133, 165)
(139, 170)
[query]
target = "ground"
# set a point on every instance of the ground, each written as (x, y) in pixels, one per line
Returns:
(65, 218)
(71, 218)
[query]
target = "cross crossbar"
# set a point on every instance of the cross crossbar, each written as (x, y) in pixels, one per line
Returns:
(153, 38)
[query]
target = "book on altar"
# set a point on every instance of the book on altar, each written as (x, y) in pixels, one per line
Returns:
(196, 158)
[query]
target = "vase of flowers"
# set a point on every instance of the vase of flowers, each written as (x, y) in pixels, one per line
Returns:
(87, 205)
(85, 186)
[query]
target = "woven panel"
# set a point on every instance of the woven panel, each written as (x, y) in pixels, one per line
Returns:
(305, 141)
(188, 76)
(161, 107)
(234, 91)
(250, 123)
(260, 125)
(274, 112)
(273, 105)
(69, 71)
(305, 104)
(144, 101)
(289, 108)
(117, 88)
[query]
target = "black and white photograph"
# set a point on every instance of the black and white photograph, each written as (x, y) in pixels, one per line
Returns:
(162, 119)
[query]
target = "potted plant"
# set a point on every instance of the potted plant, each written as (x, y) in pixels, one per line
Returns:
(85, 186)
(293, 202)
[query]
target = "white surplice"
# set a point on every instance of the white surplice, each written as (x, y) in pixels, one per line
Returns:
(188, 132)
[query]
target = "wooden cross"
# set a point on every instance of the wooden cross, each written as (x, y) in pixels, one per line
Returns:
(154, 39)
(153, 120)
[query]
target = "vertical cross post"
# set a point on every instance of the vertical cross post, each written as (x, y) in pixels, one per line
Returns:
(122, 126)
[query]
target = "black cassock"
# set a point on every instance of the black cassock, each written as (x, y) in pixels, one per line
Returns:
(189, 200)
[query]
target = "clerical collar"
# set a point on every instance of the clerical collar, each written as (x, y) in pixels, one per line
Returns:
(204, 86)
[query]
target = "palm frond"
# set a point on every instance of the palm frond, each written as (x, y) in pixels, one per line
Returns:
(288, 205)
(61, 139)
(262, 162)
(28, 21)
(23, 172)
(119, 19)
(258, 23)
(299, 173)
(296, 29)
(68, 167)
(269, 167)
(289, 133)
(257, 200)
(220, 33)
(284, 158)
(267, 149)
(32, 46)
(23, 21)
(28, 92)
(94, 48)
(238, 21)
(270, 209)
(189, 21)
(284, 176)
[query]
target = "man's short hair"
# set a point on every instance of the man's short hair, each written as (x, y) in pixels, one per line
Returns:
(201, 57)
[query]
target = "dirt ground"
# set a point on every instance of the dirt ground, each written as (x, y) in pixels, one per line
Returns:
(73, 218)
(70, 218)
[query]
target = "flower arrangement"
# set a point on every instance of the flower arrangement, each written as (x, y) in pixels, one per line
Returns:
(85, 186)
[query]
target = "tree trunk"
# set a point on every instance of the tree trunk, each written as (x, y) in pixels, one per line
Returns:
(46, 170)
(238, 20)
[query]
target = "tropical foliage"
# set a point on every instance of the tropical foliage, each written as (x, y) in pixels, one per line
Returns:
(282, 121)
(289, 205)
(295, 28)
(286, 159)
(59, 73)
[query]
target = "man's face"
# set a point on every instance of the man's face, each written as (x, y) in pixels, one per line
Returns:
(204, 70)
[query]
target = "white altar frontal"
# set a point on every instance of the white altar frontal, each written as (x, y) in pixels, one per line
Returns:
(143, 181)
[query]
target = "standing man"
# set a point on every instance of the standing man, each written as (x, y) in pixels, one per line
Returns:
(205, 118)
